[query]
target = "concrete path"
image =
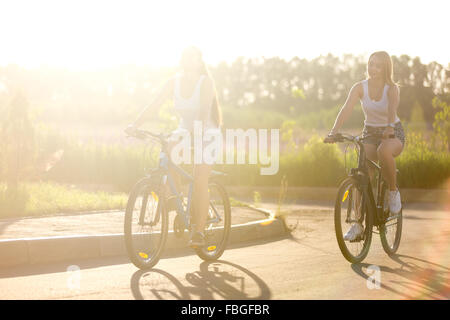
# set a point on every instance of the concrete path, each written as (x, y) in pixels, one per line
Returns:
(306, 264)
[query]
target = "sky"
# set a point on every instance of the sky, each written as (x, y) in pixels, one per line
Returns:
(104, 33)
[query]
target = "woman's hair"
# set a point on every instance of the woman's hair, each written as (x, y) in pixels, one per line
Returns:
(187, 53)
(388, 71)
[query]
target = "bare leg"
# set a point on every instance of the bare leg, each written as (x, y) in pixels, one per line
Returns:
(201, 195)
(371, 154)
(174, 174)
(387, 151)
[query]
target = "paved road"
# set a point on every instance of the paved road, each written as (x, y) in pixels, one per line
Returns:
(305, 265)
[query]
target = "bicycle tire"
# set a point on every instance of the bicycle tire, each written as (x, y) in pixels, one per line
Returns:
(390, 249)
(347, 184)
(146, 187)
(214, 250)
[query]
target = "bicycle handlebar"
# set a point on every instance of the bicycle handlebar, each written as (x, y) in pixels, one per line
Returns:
(341, 137)
(144, 134)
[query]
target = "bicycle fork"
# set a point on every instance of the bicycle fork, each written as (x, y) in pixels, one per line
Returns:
(143, 210)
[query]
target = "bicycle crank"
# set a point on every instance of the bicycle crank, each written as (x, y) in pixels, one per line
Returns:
(178, 226)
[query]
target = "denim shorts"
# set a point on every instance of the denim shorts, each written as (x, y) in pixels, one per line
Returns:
(398, 132)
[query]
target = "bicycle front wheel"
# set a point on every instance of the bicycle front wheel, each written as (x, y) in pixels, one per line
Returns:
(351, 208)
(218, 224)
(391, 229)
(146, 223)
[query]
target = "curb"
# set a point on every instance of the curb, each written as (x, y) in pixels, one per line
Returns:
(30, 251)
(329, 193)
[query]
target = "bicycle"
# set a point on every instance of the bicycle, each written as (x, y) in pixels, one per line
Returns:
(355, 203)
(147, 212)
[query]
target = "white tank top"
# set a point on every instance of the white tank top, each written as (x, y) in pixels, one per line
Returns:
(188, 108)
(375, 112)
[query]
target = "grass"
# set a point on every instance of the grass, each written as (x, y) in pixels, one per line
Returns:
(312, 164)
(118, 167)
(45, 198)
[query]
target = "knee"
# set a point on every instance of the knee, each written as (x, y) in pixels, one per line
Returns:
(383, 152)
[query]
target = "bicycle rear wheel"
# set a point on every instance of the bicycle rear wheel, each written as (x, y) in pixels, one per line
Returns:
(391, 229)
(218, 224)
(146, 223)
(351, 207)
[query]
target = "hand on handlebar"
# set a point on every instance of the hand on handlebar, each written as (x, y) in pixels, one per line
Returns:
(332, 138)
(131, 130)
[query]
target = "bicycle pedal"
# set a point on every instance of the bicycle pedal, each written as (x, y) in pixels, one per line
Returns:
(171, 203)
(178, 226)
(357, 239)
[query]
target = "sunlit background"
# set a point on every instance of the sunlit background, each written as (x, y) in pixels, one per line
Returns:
(93, 34)
(74, 74)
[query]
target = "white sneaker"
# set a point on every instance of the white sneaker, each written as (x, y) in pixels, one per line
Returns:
(355, 230)
(395, 203)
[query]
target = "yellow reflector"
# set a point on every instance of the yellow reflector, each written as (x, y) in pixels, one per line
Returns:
(345, 196)
(143, 255)
(267, 222)
(155, 197)
(212, 248)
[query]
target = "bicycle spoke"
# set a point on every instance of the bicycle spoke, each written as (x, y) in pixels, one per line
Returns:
(145, 226)
(352, 216)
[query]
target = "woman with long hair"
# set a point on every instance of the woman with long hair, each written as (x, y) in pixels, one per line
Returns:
(195, 99)
(379, 97)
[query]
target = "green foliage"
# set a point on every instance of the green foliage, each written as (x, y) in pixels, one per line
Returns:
(256, 198)
(313, 164)
(248, 117)
(420, 165)
(287, 133)
(316, 164)
(16, 141)
(90, 163)
(289, 87)
(298, 93)
(417, 121)
(441, 124)
(41, 198)
(13, 202)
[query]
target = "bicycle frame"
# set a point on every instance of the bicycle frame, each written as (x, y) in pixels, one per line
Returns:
(165, 166)
(361, 175)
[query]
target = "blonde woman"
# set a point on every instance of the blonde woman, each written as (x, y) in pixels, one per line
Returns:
(379, 97)
(195, 99)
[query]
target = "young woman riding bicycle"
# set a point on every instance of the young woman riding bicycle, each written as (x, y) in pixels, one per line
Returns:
(379, 97)
(195, 99)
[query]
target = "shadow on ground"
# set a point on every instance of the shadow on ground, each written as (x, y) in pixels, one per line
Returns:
(214, 280)
(417, 278)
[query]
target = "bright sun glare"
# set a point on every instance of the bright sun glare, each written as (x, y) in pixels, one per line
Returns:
(90, 34)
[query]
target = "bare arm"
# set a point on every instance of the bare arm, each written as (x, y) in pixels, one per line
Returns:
(162, 95)
(393, 101)
(347, 108)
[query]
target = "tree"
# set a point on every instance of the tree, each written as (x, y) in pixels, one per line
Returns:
(441, 124)
(17, 138)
